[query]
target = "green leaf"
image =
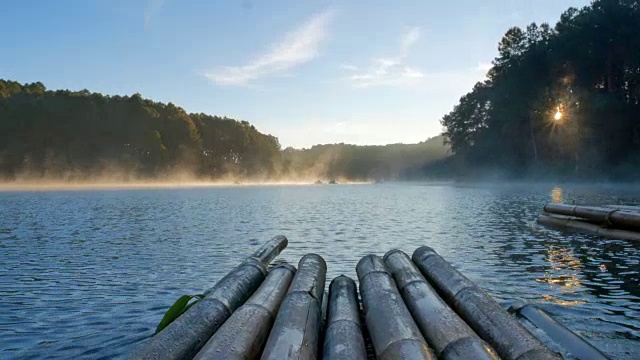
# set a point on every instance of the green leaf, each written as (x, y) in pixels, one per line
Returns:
(177, 309)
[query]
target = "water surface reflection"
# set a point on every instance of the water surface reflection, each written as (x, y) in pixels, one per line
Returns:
(90, 273)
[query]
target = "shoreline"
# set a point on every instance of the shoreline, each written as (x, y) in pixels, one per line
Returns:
(36, 186)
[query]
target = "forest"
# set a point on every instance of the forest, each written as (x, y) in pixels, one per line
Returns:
(84, 136)
(559, 102)
(76, 135)
(370, 162)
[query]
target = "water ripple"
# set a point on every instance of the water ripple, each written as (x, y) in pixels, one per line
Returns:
(90, 273)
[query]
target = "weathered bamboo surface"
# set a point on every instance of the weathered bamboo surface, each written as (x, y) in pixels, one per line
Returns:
(410, 308)
(493, 323)
(343, 339)
(450, 336)
(296, 331)
(394, 333)
(184, 337)
(246, 331)
(577, 346)
(586, 227)
(616, 222)
(609, 216)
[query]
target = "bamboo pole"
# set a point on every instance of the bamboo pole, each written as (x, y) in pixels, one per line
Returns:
(296, 331)
(271, 249)
(489, 320)
(343, 338)
(393, 332)
(187, 334)
(601, 215)
(245, 333)
(567, 339)
(585, 227)
(450, 336)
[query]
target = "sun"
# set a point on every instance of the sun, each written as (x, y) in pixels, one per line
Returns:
(557, 116)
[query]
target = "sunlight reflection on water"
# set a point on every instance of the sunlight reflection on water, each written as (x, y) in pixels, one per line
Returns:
(90, 273)
(556, 195)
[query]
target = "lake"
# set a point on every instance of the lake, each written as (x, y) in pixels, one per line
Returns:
(90, 273)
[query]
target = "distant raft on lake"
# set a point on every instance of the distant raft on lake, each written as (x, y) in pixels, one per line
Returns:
(417, 307)
(617, 222)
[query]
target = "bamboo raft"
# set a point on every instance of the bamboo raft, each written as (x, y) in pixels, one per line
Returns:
(410, 308)
(617, 222)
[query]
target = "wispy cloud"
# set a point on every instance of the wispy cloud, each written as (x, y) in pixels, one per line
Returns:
(152, 8)
(295, 48)
(389, 71)
(408, 40)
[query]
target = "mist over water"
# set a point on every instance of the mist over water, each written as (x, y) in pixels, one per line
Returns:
(115, 177)
(48, 185)
(89, 273)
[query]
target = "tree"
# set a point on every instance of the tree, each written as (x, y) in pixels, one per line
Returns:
(587, 67)
(73, 135)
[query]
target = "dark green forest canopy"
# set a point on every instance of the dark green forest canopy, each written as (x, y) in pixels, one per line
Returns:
(82, 135)
(561, 100)
(79, 134)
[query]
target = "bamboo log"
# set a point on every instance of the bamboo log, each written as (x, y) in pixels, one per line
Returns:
(296, 331)
(450, 336)
(245, 333)
(271, 249)
(583, 226)
(393, 332)
(343, 336)
(186, 335)
(567, 339)
(615, 217)
(489, 320)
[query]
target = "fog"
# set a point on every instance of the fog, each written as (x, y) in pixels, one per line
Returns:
(115, 179)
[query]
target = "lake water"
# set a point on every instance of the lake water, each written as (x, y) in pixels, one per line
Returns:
(89, 274)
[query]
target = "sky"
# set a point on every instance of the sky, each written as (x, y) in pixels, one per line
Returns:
(306, 71)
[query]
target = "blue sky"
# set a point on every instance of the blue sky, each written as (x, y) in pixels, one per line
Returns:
(308, 72)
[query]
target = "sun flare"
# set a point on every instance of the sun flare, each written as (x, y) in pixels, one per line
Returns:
(558, 115)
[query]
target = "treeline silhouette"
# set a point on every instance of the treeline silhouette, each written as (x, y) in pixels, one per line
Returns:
(558, 101)
(80, 135)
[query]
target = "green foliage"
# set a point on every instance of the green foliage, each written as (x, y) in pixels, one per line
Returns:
(80, 135)
(588, 66)
(178, 308)
(353, 162)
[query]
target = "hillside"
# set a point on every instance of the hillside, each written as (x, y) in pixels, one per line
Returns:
(353, 162)
(80, 135)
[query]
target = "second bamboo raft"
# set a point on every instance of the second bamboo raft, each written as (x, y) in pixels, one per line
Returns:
(617, 222)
